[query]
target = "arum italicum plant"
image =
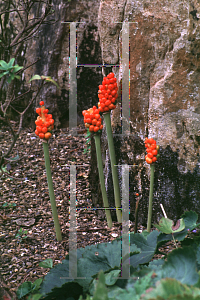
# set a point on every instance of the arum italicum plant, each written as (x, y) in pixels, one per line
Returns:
(151, 157)
(107, 100)
(44, 127)
(92, 120)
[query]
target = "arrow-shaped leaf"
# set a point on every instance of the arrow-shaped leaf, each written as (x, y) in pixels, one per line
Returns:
(35, 77)
(167, 226)
(48, 78)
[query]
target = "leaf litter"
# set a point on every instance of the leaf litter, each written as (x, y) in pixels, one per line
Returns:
(27, 212)
(27, 234)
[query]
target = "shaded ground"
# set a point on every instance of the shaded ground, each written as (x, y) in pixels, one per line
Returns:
(27, 194)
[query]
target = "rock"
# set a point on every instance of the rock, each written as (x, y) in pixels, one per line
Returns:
(53, 49)
(164, 103)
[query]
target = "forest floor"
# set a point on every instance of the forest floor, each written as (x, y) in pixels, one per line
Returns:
(25, 207)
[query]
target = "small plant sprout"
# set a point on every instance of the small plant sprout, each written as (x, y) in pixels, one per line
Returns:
(44, 126)
(107, 101)
(21, 234)
(167, 226)
(45, 78)
(9, 70)
(92, 120)
(151, 157)
(9, 205)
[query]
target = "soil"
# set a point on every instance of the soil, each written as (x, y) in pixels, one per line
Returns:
(27, 234)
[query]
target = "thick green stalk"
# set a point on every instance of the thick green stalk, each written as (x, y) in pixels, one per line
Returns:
(113, 166)
(152, 167)
(51, 192)
(101, 178)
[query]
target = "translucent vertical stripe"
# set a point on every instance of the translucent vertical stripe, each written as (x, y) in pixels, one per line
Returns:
(125, 79)
(73, 225)
(125, 222)
(72, 82)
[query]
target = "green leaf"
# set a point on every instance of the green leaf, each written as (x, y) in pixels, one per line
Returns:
(4, 65)
(4, 169)
(90, 261)
(12, 159)
(116, 293)
(181, 265)
(9, 79)
(88, 133)
(17, 77)
(145, 233)
(142, 284)
(24, 289)
(35, 297)
(198, 256)
(105, 256)
(112, 277)
(172, 289)
(16, 68)
(146, 245)
(12, 76)
(47, 263)
(11, 62)
(36, 284)
(48, 78)
(101, 292)
(156, 264)
(54, 278)
(35, 77)
(88, 140)
(167, 226)
(102, 257)
(190, 219)
(3, 74)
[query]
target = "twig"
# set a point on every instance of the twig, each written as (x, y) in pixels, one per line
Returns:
(164, 213)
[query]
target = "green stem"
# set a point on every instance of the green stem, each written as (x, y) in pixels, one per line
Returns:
(51, 192)
(101, 178)
(174, 241)
(152, 166)
(113, 166)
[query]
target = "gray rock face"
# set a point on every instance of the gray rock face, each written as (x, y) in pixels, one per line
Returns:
(53, 46)
(164, 101)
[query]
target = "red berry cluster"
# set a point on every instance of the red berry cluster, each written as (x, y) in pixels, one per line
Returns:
(152, 150)
(44, 122)
(107, 93)
(92, 119)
